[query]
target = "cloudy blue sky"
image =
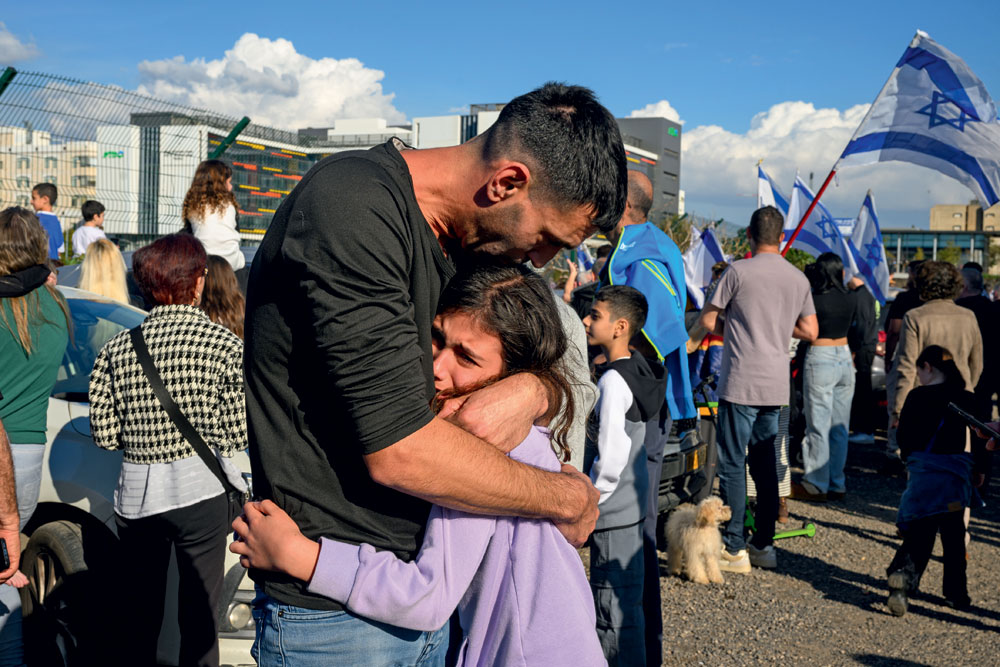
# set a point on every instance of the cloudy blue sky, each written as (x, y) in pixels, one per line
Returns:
(782, 81)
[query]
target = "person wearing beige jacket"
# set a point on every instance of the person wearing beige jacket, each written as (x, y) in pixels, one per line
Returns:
(937, 322)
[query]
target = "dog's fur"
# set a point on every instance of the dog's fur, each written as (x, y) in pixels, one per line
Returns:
(694, 542)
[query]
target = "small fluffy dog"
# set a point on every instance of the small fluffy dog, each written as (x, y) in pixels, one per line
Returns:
(694, 541)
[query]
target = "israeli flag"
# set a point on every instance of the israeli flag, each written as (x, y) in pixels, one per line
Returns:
(869, 251)
(704, 251)
(584, 260)
(934, 112)
(820, 232)
(768, 193)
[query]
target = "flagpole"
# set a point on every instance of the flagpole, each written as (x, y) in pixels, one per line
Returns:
(809, 211)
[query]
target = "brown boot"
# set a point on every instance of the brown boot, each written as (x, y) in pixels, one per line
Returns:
(782, 510)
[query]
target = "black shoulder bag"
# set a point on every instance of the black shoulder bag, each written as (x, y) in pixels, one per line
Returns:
(236, 497)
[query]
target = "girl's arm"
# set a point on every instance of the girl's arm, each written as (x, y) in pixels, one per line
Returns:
(420, 595)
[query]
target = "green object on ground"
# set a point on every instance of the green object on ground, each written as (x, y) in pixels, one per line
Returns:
(808, 530)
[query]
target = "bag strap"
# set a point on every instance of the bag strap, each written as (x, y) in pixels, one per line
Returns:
(189, 432)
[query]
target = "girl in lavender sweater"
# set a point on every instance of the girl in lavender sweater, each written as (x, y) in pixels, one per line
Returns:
(520, 590)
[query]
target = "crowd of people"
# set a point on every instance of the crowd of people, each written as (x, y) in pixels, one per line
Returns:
(434, 430)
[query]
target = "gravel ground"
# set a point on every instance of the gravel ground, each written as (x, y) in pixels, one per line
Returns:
(825, 604)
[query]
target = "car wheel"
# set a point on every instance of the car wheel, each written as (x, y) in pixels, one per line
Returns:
(61, 603)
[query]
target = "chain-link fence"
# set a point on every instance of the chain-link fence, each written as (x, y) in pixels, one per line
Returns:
(135, 154)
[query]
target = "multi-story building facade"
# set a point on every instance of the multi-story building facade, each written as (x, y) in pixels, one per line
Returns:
(29, 157)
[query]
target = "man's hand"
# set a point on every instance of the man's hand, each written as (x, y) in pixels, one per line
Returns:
(577, 532)
(13, 538)
(991, 443)
(268, 539)
(502, 413)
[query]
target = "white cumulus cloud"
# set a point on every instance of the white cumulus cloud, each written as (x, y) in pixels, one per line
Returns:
(12, 49)
(719, 167)
(272, 83)
(661, 109)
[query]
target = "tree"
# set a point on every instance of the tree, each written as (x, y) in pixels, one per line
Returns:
(918, 255)
(799, 258)
(951, 254)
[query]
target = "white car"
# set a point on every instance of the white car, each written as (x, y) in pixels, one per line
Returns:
(70, 551)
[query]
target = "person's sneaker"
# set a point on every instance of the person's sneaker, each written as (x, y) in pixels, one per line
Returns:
(861, 439)
(766, 558)
(898, 585)
(958, 603)
(802, 492)
(738, 562)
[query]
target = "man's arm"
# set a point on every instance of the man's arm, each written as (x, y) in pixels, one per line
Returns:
(444, 464)
(976, 357)
(10, 523)
(806, 328)
(892, 330)
(906, 363)
(710, 320)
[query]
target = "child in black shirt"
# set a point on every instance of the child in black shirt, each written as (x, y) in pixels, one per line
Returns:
(933, 442)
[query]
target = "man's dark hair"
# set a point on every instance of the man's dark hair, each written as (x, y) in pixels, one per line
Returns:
(571, 143)
(938, 280)
(973, 278)
(47, 190)
(973, 265)
(766, 225)
(91, 208)
(912, 267)
(603, 251)
(625, 302)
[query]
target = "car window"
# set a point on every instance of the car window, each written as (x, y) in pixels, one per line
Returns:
(94, 323)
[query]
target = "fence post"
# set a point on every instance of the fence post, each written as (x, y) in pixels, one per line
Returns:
(6, 78)
(230, 138)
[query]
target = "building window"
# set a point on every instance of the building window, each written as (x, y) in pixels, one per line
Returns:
(956, 215)
(956, 226)
(23, 182)
(78, 200)
(51, 162)
(23, 200)
(83, 182)
(49, 179)
(82, 161)
(989, 228)
(24, 163)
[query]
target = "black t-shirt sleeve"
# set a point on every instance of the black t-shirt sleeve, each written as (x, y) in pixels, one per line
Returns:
(350, 249)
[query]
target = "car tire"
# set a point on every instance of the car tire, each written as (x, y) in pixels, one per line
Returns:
(63, 604)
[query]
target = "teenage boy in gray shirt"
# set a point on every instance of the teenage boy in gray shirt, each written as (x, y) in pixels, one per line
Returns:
(764, 301)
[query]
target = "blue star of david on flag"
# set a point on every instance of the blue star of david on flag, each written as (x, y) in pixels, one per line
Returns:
(828, 228)
(940, 100)
(873, 251)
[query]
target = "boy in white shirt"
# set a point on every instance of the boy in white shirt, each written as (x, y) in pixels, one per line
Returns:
(92, 227)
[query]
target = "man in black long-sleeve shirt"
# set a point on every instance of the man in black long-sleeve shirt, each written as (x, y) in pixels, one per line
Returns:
(338, 353)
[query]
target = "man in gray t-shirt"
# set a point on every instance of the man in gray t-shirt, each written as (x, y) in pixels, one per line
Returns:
(759, 304)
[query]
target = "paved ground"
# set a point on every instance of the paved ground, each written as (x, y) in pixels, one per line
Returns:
(825, 604)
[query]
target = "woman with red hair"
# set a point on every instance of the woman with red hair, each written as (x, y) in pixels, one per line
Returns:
(167, 498)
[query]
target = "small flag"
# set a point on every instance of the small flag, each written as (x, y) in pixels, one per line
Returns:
(869, 251)
(768, 193)
(584, 261)
(704, 251)
(820, 232)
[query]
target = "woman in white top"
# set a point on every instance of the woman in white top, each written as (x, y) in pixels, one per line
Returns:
(210, 211)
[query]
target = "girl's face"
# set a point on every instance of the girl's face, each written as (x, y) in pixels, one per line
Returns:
(465, 354)
(928, 375)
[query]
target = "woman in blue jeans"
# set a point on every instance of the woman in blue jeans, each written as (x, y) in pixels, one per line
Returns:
(828, 384)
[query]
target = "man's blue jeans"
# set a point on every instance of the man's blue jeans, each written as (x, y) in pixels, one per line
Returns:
(746, 435)
(828, 387)
(297, 637)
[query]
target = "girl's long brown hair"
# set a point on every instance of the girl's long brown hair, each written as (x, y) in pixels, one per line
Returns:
(221, 298)
(23, 243)
(208, 192)
(515, 304)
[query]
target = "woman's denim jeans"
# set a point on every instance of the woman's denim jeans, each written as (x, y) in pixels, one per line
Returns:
(828, 385)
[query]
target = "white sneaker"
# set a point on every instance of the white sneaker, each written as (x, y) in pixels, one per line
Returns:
(861, 439)
(766, 558)
(738, 563)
